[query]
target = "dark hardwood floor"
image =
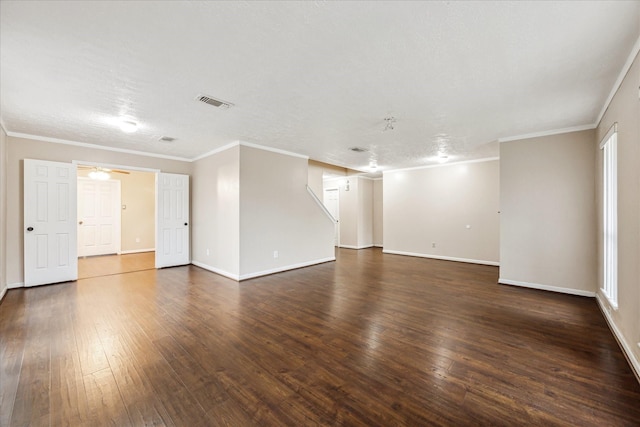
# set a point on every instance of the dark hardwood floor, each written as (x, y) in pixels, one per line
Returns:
(372, 339)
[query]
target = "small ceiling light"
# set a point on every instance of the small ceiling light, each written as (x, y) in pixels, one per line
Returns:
(99, 174)
(128, 126)
(442, 158)
(389, 121)
(373, 165)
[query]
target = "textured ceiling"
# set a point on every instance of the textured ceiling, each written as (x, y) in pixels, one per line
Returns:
(314, 78)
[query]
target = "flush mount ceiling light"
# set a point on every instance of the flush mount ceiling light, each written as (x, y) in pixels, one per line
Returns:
(442, 158)
(128, 126)
(389, 121)
(99, 174)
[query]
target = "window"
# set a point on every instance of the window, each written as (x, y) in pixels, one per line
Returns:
(609, 146)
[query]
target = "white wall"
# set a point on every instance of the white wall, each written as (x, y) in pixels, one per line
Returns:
(547, 220)
(434, 205)
(216, 212)
(356, 210)
(278, 214)
(365, 212)
(625, 110)
(21, 148)
(3, 212)
(377, 212)
(317, 172)
(249, 202)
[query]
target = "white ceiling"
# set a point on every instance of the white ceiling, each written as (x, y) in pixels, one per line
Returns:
(314, 78)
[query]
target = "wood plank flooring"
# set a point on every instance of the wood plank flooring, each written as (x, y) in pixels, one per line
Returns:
(106, 265)
(372, 339)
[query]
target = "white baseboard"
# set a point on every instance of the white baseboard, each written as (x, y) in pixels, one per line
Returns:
(137, 251)
(3, 293)
(626, 348)
(216, 270)
(355, 247)
(569, 291)
(444, 258)
(286, 268)
(239, 278)
(15, 285)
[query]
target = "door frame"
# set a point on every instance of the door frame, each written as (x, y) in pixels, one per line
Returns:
(156, 172)
(337, 224)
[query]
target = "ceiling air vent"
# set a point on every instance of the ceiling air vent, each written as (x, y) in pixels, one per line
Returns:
(215, 102)
(358, 149)
(166, 139)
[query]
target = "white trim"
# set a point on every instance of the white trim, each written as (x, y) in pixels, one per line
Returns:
(548, 132)
(216, 151)
(95, 146)
(286, 268)
(321, 205)
(569, 291)
(216, 270)
(355, 247)
(623, 73)
(364, 177)
(626, 349)
(444, 258)
(3, 293)
(440, 165)
(137, 251)
(613, 129)
(273, 150)
(113, 166)
(15, 285)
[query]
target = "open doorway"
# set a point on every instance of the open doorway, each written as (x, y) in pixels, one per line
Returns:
(116, 220)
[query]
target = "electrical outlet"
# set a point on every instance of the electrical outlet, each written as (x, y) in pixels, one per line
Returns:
(433, 245)
(137, 240)
(276, 254)
(207, 251)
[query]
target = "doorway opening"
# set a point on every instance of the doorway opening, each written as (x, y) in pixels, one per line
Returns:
(332, 203)
(116, 220)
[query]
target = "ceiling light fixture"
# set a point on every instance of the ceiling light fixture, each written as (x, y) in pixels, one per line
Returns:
(442, 158)
(389, 121)
(99, 175)
(128, 126)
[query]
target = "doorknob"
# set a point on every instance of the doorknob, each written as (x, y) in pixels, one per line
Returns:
(29, 228)
(80, 222)
(186, 223)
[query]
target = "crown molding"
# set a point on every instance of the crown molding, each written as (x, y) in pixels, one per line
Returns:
(623, 73)
(548, 133)
(441, 165)
(94, 146)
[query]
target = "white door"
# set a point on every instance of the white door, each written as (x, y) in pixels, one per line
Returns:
(172, 220)
(332, 203)
(98, 217)
(50, 252)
